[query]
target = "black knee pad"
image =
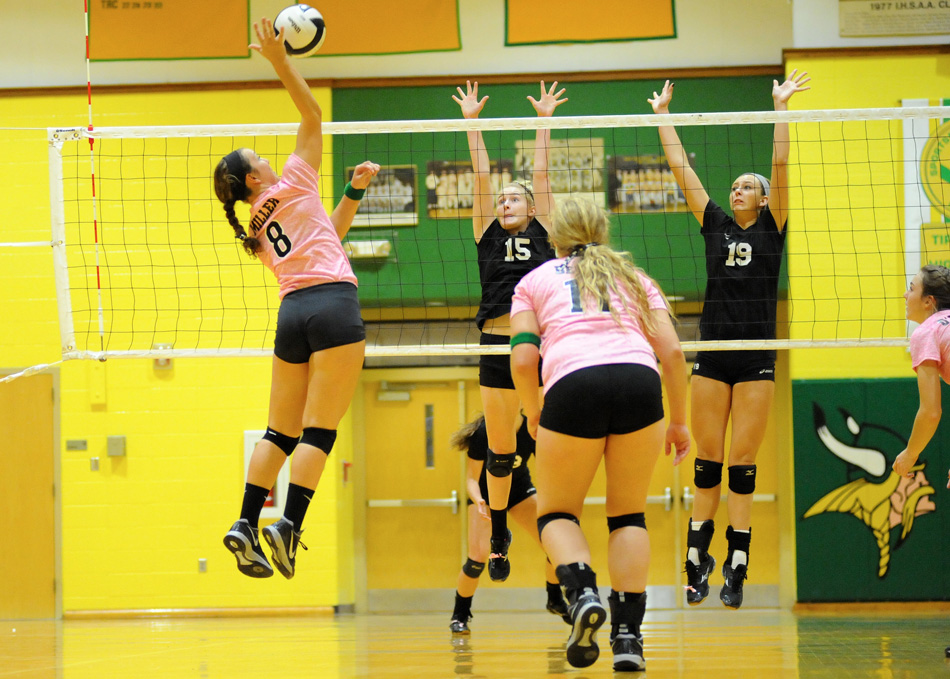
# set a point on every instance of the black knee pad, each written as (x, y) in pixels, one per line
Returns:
(706, 473)
(473, 568)
(742, 479)
(282, 441)
(319, 438)
(638, 520)
(500, 465)
(554, 516)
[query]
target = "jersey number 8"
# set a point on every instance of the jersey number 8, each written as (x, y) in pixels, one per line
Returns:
(278, 239)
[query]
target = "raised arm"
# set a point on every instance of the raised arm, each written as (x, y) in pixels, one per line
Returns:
(696, 196)
(524, 369)
(666, 345)
(778, 195)
(483, 203)
(345, 210)
(309, 134)
(541, 182)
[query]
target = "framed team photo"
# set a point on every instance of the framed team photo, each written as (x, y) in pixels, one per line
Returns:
(390, 199)
(575, 166)
(644, 184)
(450, 186)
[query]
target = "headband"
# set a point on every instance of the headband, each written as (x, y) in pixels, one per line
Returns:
(766, 186)
(238, 168)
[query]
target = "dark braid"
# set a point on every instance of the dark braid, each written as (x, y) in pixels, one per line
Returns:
(935, 282)
(230, 188)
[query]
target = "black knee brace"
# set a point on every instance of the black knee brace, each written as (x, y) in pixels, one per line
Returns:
(742, 479)
(616, 522)
(473, 568)
(319, 438)
(500, 465)
(282, 441)
(554, 516)
(706, 473)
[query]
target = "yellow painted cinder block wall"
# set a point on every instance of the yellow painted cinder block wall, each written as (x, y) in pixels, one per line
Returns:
(133, 531)
(837, 174)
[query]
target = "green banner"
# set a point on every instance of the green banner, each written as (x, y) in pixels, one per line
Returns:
(863, 533)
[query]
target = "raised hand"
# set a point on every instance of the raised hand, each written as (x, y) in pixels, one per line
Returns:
(269, 43)
(469, 101)
(363, 174)
(661, 102)
(549, 100)
(795, 83)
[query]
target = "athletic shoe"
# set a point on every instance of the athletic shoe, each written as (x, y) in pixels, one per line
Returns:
(243, 543)
(283, 540)
(587, 615)
(499, 568)
(559, 608)
(460, 626)
(628, 653)
(697, 579)
(731, 593)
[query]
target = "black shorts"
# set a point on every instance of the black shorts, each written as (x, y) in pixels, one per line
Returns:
(594, 402)
(317, 318)
(494, 370)
(733, 367)
(521, 489)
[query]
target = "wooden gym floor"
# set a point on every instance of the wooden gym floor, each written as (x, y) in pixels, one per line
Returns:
(707, 644)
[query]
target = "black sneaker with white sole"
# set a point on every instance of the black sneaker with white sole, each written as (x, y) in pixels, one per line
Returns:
(587, 615)
(283, 541)
(559, 607)
(460, 625)
(697, 579)
(731, 593)
(243, 543)
(628, 653)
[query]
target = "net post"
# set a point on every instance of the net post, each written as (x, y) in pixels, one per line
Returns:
(56, 137)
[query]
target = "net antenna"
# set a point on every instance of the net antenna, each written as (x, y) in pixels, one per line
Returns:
(148, 268)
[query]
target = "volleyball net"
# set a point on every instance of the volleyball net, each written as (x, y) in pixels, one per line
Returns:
(146, 264)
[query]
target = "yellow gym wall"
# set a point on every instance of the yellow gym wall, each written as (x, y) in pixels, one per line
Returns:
(854, 79)
(133, 531)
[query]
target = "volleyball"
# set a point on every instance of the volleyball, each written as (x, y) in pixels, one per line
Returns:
(304, 29)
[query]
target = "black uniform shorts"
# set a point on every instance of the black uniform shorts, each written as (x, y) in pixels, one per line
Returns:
(317, 318)
(733, 367)
(594, 402)
(494, 370)
(521, 489)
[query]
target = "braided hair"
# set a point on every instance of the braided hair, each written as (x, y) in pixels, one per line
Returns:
(230, 187)
(935, 282)
(581, 228)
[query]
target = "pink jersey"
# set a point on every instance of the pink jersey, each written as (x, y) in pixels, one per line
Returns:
(572, 339)
(931, 342)
(299, 243)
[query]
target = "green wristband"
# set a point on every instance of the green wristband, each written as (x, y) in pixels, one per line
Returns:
(525, 338)
(353, 193)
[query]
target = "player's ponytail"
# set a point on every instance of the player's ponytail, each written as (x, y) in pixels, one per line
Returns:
(462, 439)
(581, 228)
(230, 187)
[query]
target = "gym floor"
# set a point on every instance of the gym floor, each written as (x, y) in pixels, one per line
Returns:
(711, 644)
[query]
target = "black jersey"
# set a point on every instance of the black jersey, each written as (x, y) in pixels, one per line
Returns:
(478, 450)
(742, 269)
(503, 260)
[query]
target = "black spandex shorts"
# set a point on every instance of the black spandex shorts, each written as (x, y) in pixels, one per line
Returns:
(733, 367)
(494, 370)
(317, 318)
(594, 402)
(521, 489)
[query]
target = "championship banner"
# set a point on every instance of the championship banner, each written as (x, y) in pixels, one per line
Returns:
(168, 29)
(387, 27)
(928, 172)
(533, 22)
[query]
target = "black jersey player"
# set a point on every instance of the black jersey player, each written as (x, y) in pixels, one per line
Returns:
(511, 237)
(743, 256)
(522, 505)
